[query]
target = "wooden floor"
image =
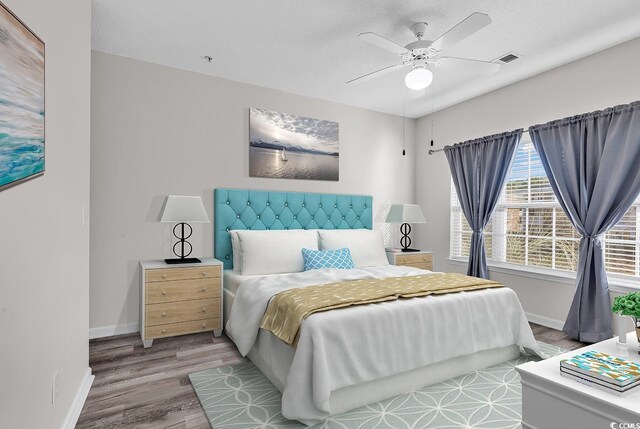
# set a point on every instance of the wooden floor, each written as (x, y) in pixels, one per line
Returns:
(149, 388)
(552, 336)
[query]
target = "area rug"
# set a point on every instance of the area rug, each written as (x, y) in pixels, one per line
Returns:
(239, 396)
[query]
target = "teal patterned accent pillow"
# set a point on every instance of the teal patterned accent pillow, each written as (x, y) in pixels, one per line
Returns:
(318, 259)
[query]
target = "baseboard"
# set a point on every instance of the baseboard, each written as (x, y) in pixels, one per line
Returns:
(129, 328)
(109, 331)
(545, 321)
(78, 401)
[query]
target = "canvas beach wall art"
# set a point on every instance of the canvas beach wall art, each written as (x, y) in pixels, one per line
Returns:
(287, 146)
(21, 101)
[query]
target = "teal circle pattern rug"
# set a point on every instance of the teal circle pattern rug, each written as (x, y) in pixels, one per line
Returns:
(241, 397)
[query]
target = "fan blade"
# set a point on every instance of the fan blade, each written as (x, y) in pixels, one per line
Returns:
(466, 65)
(376, 73)
(381, 42)
(463, 29)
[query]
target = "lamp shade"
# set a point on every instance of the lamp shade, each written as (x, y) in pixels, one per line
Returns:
(405, 213)
(180, 208)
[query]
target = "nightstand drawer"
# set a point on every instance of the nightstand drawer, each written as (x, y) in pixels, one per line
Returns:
(172, 329)
(169, 274)
(414, 259)
(419, 265)
(175, 290)
(183, 311)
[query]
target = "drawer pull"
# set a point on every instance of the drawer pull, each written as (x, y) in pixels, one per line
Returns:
(164, 314)
(204, 325)
(204, 274)
(164, 276)
(164, 292)
(204, 289)
(404, 259)
(204, 309)
(424, 259)
(164, 331)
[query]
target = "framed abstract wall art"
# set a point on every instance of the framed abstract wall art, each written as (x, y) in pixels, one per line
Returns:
(21, 101)
(288, 146)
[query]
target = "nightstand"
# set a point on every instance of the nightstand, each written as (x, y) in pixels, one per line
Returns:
(422, 259)
(180, 299)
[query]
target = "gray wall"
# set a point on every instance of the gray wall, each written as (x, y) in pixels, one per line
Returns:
(159, 131)
(599, 81)
(44, 246)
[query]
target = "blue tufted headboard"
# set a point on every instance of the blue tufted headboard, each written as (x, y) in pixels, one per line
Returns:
(245, 209)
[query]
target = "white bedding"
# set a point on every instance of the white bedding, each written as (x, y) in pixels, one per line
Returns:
(233, 279)
(357, 344)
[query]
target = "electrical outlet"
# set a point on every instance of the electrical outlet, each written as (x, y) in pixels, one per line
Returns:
(55, 387)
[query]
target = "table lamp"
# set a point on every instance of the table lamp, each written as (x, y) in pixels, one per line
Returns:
(181, 209)
(405, 214)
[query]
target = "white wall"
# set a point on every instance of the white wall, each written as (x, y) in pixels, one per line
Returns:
(44, 247)
(159, 131)
(599, 81)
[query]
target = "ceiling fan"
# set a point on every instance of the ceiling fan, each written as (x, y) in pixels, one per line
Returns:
(421, 54)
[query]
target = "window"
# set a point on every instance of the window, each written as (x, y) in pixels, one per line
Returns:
(529, 228)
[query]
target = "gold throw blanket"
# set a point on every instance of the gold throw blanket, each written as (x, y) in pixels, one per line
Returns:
(289, 308)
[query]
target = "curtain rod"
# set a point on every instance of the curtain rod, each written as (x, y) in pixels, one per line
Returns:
(432, 151)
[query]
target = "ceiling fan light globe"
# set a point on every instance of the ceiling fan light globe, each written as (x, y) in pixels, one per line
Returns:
(418, 78)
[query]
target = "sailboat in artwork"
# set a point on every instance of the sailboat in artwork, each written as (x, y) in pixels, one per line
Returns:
(284, 155)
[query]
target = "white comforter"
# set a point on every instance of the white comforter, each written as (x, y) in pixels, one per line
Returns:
(349, 346)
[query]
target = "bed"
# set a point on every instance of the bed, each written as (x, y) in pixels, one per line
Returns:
(357, 355)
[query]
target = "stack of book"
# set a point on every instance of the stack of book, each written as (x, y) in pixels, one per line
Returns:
(600, 370)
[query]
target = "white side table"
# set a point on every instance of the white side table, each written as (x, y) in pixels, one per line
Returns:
(550, 401)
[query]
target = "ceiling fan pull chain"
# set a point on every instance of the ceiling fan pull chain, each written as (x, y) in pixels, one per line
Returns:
(404, 120)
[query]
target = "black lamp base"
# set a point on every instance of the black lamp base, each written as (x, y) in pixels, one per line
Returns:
(183, 261)
(185, 246)
(405, 241)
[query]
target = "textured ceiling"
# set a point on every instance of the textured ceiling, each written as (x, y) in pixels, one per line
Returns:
(310, 47)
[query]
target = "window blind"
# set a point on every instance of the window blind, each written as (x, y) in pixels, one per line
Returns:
(529, 228)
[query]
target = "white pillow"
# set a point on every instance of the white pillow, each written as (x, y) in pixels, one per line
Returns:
(237, 253)
(366, 246)
(274, 252)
